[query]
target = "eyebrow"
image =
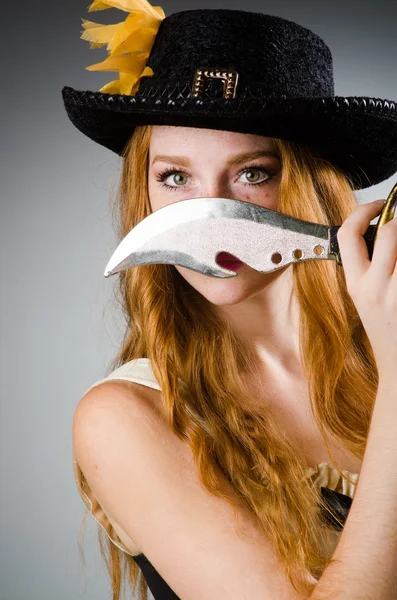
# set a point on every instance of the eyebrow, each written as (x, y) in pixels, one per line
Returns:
(184, 161)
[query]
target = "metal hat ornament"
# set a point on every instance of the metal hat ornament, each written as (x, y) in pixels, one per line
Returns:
(231, 70)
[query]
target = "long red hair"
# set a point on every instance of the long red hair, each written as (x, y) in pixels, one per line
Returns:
(170, 323)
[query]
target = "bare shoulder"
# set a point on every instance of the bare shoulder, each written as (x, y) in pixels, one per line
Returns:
(145, 479)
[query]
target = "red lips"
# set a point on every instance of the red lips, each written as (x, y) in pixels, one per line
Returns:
(225, 257)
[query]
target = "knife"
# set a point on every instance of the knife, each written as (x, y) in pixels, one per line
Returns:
(191, 233)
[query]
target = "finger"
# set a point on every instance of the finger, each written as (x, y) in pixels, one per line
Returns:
(353, 248)
(385, 252)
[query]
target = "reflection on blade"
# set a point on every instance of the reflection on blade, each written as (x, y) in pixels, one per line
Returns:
(191, 233)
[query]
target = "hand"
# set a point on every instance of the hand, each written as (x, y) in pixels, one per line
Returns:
(373, 284)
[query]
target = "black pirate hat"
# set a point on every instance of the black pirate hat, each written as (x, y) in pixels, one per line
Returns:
(232, 70)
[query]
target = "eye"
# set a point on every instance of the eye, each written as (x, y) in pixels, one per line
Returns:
(253, 175)
(179, 178)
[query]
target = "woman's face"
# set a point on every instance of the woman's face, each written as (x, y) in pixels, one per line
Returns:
(185, 163)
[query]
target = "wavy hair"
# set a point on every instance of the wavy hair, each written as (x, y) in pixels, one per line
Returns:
(210, 408)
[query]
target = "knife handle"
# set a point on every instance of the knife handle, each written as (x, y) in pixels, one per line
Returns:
(369, 237)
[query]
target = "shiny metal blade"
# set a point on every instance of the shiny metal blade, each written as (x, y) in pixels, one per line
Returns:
(191, 233)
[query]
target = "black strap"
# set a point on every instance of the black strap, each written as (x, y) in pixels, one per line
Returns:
(338, 504)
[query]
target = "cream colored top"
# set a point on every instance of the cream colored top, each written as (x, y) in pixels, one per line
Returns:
(140, 371)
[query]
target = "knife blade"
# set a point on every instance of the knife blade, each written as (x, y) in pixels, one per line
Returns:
(191, 233)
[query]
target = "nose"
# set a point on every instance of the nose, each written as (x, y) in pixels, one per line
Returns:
(216, 189)
(214, 184)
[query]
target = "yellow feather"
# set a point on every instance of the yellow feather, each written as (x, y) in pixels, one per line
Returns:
(127, 83)
(100, 34)
(97, 5)
(129, 43)
(137, 42)
(113, 87)
(148, 72)
(124, 64)
(132, 24)
(160, 12)
(126, 5)
(130, 86)
(89, 24)
(142, 5)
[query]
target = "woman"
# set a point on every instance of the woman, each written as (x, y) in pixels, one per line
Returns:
(237, 408)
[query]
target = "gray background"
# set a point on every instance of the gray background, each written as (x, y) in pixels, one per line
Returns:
(59, 326)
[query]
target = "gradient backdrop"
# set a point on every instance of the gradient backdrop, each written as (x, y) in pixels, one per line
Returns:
(59, 327)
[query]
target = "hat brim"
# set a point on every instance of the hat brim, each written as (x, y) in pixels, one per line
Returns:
(357, 134)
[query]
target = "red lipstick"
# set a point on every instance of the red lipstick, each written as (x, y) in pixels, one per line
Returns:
(224, 259)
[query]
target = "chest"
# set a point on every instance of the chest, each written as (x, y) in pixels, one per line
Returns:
(290, 404)
(288, 401)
